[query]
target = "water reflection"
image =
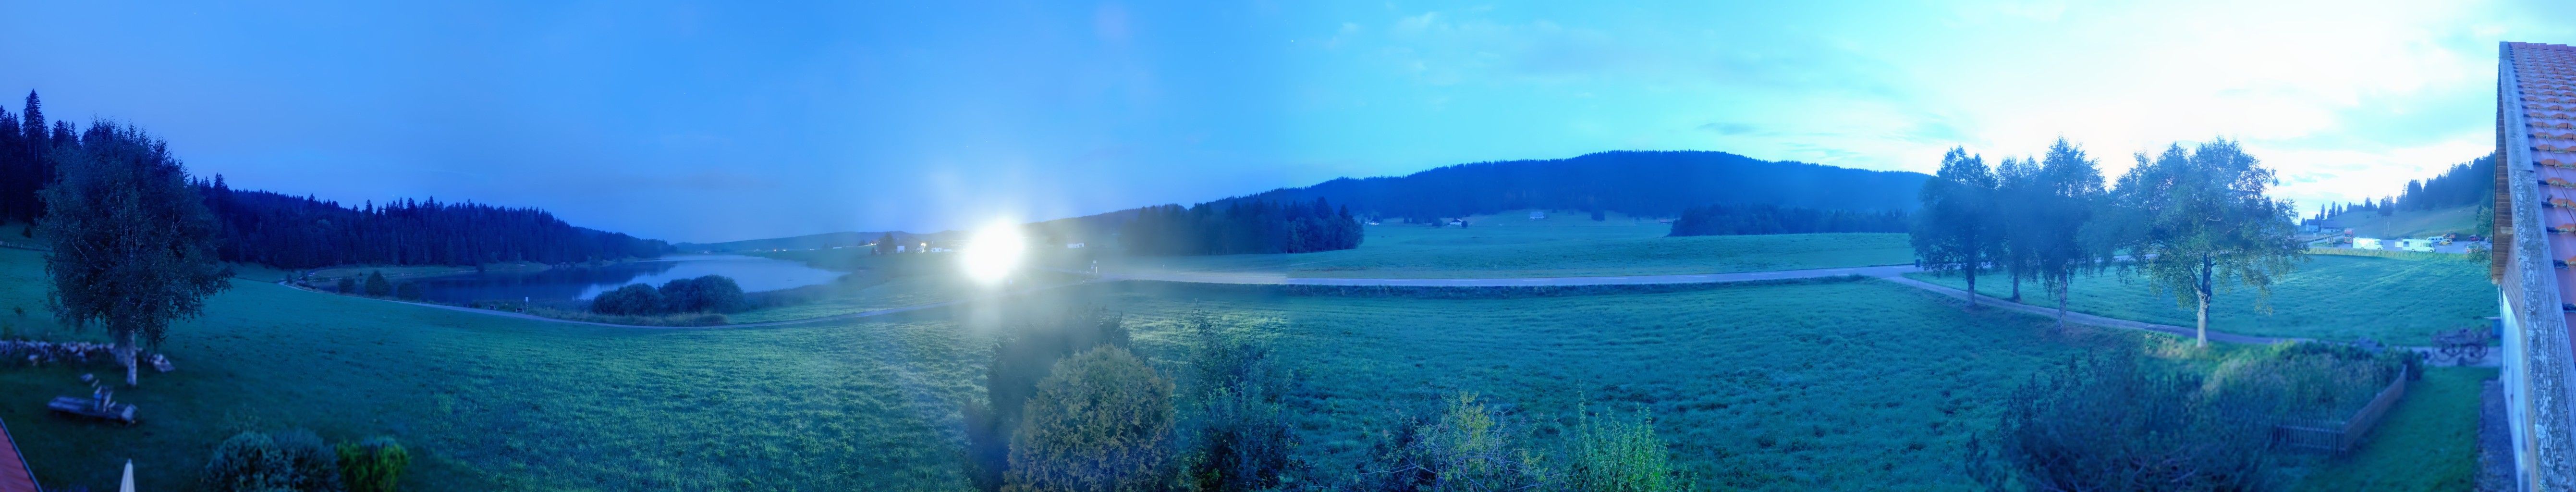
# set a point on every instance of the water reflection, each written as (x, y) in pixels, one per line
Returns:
(754, 274)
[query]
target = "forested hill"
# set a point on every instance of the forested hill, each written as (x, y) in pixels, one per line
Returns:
(809, 241)
(1659, 184)
(299, 232)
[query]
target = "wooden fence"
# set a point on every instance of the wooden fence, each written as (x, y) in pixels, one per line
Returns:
(2331, 436)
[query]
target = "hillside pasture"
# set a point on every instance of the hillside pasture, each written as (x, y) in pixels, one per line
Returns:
(2399, 300)
(1561, 245)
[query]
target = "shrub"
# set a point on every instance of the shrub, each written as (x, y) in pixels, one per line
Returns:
(246, 462)
(2310, 379)
(2102, 422)
(1237, 435)
(409, 291)
(290, 460)
(315, 466)
(1021, 359)
(346, 285)
(1467, 448)
(1612, 453)
(1101, 422)
(631, 300)
(376, 284)
(712, 293)
(375, 465)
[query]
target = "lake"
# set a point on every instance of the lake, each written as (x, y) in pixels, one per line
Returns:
(754, 274)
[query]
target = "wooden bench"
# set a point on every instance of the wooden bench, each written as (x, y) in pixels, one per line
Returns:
(88, 408)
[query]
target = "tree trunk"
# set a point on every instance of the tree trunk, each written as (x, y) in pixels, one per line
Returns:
(125, 355)
(2061, 305)
(1972, 284)
(2016, 296)
(2202, 290)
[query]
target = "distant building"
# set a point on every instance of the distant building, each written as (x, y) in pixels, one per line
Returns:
(2320, 225)
(1072, 245)
(1537, 215)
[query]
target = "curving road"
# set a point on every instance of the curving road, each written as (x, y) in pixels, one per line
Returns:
(1704, 278)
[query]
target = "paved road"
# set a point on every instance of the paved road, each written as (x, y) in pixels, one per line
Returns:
(1706, 278)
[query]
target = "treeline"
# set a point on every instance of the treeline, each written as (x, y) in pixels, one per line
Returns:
(25, 142)
(1724, 220)
(2466, 184)
(1647, 184)
(1241, 228)
(300, 232)
(2191, 220)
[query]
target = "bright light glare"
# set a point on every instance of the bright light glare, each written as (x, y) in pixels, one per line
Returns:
(994, 252)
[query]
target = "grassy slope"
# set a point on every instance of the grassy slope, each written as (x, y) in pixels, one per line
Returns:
(1562, 245)
(2342, 298)
(2414, 223)
(2428, 442)
(1859, 384)
(488, 403)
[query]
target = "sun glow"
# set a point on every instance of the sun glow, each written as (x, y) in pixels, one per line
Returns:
(994, 252)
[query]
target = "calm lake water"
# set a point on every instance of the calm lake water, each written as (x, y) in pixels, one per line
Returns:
(755, 274)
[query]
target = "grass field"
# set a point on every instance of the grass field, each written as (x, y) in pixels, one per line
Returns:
(1562, 245)
(2427, 442)
(489, 403)
(2332, 297)
(1849, 385)
(1831, 385)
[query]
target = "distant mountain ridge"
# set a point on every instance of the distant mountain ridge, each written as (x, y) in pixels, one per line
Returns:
(809, 241)
(1638, 183)
(1644, 183)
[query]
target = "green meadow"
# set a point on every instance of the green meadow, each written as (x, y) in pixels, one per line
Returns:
(2399, 300)
(1561, 245)
(1820, 385)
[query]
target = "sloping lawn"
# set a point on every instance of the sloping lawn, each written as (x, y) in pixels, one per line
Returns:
(1850, 385)
(488, 403)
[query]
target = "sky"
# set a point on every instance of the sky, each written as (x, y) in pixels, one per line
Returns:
(716, 121)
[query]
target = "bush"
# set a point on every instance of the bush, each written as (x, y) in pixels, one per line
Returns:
(290, 460)
(409, 291)
(377, 286)
(709, 294)
(2310, 380)
(1021, 359)
(631, 300)
(1238, 435)
(247, 462)
(1101, 422)
(1466, 448)
(1612, 453)
(2102, 422)
(346, 285)
(375, 465)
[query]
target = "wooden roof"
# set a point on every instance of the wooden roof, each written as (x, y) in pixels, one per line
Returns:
(14, 476)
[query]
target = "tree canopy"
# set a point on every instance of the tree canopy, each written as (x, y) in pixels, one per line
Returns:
(2205, 224)
(133, 246)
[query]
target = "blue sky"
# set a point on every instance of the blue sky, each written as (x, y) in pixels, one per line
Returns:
(709, 121)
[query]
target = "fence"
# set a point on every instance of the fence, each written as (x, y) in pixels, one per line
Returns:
(2337, 436)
